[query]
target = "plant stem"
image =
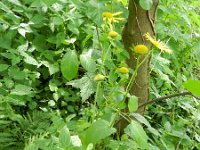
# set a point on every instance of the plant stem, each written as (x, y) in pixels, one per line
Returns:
(138, 65)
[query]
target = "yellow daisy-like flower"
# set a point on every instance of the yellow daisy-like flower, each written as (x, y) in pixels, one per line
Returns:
(112, 16)
(157, 43)
(113, 34)
(140, 49)
(107, 15)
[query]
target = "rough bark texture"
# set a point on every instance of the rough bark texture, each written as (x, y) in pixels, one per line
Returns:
(139, 22)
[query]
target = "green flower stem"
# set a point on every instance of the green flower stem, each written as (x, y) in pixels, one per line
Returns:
(97, 92)
(138, 65)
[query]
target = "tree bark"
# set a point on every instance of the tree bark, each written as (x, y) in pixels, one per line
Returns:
(139, 22)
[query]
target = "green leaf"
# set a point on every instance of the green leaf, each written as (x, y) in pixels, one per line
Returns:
(60, 37)
(57, 20)
(146, 4)
(69, 65)
(27, 58)
(8, 83)
(87, 62)
(53, 68)
(64, 137)
(133, 103)
(6, 38)
(135, 131)
(72, 27)
(15, 2)
(141, 119)
(21, 90)
(49, 2)
(69, 41)
(3, 67)
(86, 84)
(96, 132)
(144, 121)
(193, 86)
(16, 73)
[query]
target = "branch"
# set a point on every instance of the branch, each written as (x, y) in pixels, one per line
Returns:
(166, 97)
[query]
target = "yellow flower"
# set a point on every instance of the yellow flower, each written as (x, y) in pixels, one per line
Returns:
(99, 77)
(107, 15)
(123, 70)
(113, 34)
(140, 49)
(112, 16)
(157, 43)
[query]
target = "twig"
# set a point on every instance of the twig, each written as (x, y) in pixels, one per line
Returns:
(166, 97)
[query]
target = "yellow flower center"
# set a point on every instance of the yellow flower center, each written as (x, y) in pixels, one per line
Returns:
(107, 15)
(141, 49)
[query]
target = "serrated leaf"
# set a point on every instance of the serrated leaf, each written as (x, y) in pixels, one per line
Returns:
(86, 85)
(69, 65)
(87, 62)
(133, 103)
(21, 90)
(96, 132)
(64, 137)
(193, 86)
(146, 4)
(135, 131)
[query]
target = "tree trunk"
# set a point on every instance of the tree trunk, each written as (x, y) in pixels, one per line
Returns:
(140, 21)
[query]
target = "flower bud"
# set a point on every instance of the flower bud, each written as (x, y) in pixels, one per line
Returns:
(123, 70)
(113, 34)
(99, 77)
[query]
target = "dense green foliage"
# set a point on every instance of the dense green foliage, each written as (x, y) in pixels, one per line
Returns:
(51, 52)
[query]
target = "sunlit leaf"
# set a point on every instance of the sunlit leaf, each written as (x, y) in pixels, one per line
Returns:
(87, 62)
(193, 86)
